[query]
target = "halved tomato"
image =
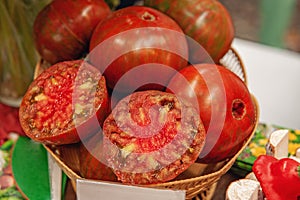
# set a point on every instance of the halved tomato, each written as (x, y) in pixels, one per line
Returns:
(65, 103)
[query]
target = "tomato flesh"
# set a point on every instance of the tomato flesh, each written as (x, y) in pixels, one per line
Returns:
(59, 101)
(152, 137)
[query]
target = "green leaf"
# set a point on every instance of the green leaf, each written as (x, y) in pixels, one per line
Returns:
(10, 193)
(30, 168)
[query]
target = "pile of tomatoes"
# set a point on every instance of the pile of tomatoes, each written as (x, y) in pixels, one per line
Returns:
(171, 46)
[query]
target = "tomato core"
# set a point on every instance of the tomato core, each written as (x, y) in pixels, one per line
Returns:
(148, 17)
(238, 109)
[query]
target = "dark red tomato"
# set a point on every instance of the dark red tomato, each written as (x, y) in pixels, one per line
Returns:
(207, 22)
(225, 105)
(62, 30)
(90, 156)
(138, 47)
(152, 137)
(65, 103)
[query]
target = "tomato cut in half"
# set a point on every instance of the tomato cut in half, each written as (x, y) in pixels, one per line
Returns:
(152, 137)
(66, 102)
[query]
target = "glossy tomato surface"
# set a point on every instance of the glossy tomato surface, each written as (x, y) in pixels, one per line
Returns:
(138, 47)
(207, 22)
(90, 156)
(225, 106)
(62, 29)
(64, 104)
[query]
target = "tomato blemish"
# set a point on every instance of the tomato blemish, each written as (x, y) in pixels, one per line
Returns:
(238, 109)
(148, 16)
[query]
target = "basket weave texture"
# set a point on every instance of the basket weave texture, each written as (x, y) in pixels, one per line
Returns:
(199, 181)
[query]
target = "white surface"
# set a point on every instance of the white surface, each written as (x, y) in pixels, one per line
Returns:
(94, 190)
(274, 79)
(243, 189)
(55, 176)
(279, 143)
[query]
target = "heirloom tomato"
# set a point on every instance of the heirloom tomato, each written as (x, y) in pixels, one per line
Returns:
(67, 102)
(139, 48)
(152, 137)
(207, 22)
(225, 105)
(90, 156)
(62, 29)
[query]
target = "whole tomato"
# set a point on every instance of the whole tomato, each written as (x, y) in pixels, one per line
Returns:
(206, 21)
(138, 47)
(62, 29)
(225, 106)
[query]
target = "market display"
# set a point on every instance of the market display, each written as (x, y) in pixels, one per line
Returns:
(127, 88)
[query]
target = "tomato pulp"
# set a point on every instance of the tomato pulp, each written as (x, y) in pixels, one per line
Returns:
(152, 137)
(65, 100)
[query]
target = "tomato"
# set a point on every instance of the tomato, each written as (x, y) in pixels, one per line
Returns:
(225, 106)
(62, 29)
(152, 137)
(91, 167)
(138, 48)
(207, 22)
(65, 103)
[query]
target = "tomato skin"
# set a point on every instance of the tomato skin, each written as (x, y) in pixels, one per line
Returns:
(60, 106)
(208, 22)
(91, 167)
(140, 36)
(62, 29)
(225, 105)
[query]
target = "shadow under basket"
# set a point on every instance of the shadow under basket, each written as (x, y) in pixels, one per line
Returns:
(199, 180)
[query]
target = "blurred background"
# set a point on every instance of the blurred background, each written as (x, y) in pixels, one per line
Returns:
(271, 22)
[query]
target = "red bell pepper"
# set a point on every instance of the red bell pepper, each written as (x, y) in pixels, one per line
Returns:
(279, 179)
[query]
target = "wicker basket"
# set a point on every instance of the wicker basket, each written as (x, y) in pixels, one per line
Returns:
(199, 180)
